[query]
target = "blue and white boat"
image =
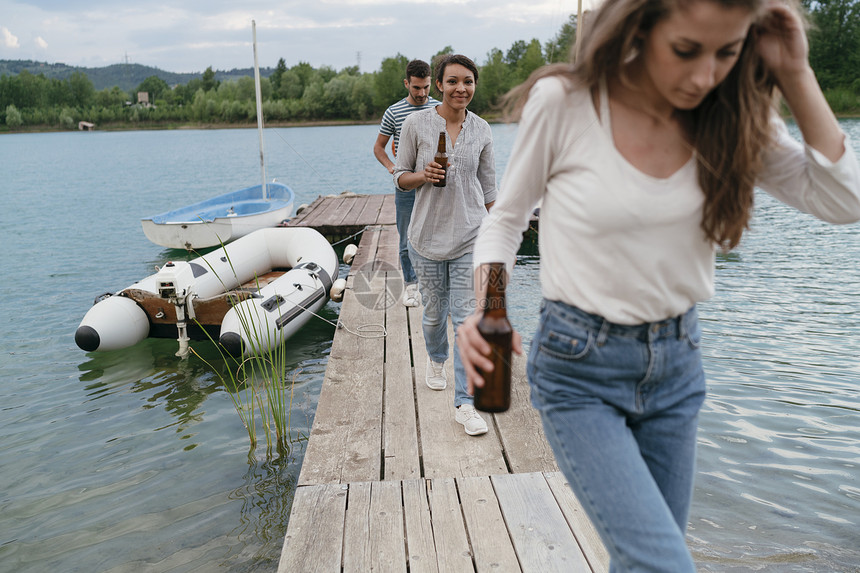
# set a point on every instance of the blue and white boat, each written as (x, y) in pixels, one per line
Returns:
(220, 219)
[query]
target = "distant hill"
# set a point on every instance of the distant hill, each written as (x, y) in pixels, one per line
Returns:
(126, 76)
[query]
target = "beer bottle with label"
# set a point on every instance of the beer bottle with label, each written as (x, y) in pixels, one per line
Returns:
(441, 158)
(495, 395)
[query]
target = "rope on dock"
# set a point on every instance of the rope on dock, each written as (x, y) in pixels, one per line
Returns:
(366, 227)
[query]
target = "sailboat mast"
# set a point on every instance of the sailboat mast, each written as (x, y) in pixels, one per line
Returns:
(259, 108)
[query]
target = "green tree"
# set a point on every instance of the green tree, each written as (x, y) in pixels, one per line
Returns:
(13, 117)
(184, 95)
(531, 59)
(305, 74)
(246, 89)
(209, 82)
(276, 76)
(834, 42)
(23, 90)
(337, 97)
(558, 48)
(313, 100)
(67, 118)
(326, 73)
(495, 79)
(515, 52)
(81, 90)
(109, 98)
(291, 86)
(362, 97)
(154, 86)
(388, 81)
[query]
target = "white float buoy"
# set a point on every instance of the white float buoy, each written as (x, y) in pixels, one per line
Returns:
(337, 289)
(349, 253)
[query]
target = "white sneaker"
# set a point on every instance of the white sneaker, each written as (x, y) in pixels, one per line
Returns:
(437, 379)
(410, 295)
(471, 420)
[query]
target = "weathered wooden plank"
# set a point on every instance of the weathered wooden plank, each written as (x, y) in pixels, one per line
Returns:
(446, 449)
(491, 544)
(400, 430)
(363, 261)
(387, 528)
(452, 546)
(373, 537)
(363, 305)
(388, 211)
(356, 539)
(388, 250)
(520, 428)
(298, 220)
(541, 536)
(345, 443)
(369, 215)
(347, 211)
(307, 546)
(419, 530)
(589, 541)
(325, 213)
(313, 211)
(346, 436)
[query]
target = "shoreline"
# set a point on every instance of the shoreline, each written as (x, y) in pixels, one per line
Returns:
(168, 126)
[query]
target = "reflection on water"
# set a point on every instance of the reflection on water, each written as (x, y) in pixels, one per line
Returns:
(266, 496)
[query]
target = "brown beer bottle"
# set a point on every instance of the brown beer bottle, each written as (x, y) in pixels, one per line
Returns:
(495, 395)
(441, 158)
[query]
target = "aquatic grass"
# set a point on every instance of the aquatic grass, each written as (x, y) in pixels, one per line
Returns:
(257, 383)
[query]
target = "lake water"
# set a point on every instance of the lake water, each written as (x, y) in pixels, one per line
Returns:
(137, 461)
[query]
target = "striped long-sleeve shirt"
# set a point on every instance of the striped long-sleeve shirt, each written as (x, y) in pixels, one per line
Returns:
(394, 116)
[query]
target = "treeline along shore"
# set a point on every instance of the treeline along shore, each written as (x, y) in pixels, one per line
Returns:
(304, 95)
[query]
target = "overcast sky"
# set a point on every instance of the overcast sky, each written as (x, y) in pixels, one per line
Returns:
(190, 35)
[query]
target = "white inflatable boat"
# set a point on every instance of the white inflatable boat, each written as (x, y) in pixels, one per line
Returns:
(241, 294)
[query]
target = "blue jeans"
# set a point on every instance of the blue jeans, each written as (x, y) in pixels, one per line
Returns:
(619, 406)
(446, 287)
(403, 202)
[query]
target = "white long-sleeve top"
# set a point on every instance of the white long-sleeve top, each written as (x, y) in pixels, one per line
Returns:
(615, 241)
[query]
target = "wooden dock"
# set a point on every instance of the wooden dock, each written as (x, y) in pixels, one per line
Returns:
(389, 481)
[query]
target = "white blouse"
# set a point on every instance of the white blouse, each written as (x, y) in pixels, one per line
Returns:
(615, 241)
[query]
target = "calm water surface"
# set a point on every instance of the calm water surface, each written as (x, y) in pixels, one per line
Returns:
(137, 461)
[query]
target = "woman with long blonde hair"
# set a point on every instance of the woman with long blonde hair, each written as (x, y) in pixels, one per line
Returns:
(644, 156)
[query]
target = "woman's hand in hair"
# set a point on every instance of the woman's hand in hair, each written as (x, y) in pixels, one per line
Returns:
(781, 41)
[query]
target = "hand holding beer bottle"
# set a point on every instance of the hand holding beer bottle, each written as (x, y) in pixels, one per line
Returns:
(494, 327)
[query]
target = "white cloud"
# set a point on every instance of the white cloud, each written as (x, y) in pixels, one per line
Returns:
(193, 34)
(9, 40)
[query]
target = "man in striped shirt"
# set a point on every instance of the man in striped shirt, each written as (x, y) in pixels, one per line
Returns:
(417, 82)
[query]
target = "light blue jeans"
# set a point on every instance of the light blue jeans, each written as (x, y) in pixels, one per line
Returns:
(447, 288)
(620, 406)
(403, 202)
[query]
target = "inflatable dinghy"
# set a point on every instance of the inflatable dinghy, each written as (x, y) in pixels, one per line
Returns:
(251, 295)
